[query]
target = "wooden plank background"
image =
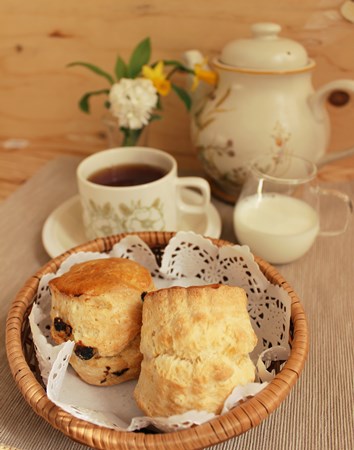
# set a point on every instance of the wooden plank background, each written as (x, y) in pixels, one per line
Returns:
(39, 94)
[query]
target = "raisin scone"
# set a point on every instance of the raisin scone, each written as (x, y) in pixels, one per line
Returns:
(195, 343)
(98, 304)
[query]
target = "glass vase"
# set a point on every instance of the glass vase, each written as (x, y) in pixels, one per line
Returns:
(117, 138)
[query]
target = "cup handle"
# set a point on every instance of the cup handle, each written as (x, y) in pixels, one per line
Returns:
(349, 209)
(202, 186)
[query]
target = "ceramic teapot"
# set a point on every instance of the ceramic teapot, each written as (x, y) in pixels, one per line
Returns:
(264, 103)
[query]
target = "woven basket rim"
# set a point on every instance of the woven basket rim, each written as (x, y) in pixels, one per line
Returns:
(237, 421)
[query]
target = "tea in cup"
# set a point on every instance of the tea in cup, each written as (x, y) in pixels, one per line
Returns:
(130, 189)
(278, 212)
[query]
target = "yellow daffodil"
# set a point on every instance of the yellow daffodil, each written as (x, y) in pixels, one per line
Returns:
(203, 74)
(157, 76)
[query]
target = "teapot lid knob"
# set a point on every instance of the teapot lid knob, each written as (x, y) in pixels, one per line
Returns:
(265, 30)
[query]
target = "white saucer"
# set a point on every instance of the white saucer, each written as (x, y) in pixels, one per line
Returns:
(63, 229)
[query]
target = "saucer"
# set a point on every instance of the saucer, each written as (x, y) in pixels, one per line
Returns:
(64, 229)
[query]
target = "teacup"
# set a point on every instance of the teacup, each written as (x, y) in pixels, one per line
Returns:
(278, 212)
(140, 191)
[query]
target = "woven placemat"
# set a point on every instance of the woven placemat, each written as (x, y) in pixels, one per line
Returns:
(317, 415)
(6, 447)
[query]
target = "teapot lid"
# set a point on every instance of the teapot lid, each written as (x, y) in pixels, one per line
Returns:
(265, 50)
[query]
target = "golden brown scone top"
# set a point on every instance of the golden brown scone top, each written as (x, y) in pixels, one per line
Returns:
(187, 321)
(103, 276)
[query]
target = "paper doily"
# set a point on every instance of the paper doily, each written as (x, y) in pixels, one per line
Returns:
(188, 259)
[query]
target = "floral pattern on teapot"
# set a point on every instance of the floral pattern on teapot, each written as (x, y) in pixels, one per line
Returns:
(264, 103)
(210, 155)
(219, 159)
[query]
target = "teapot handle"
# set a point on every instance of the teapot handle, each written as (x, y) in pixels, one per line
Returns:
(317, 99)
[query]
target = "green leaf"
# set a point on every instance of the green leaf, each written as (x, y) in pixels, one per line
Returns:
(121, 69)
(158, 104)
(154, 117)
(94, 69)
(183, 95)
(84, 104)
(181, 67)
(140, 57)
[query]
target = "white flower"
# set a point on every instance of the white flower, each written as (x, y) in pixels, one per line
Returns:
(132, 101)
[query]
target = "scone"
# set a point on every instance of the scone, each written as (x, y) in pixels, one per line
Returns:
(98, 304)
(108, 370)
(195, 343)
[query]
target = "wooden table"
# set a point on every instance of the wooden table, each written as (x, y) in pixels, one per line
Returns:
(20, 159)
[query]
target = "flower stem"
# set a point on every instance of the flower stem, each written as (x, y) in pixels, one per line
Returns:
(131, 137)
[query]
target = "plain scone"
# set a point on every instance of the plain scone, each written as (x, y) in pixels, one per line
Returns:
(98, 304)
(195, 343)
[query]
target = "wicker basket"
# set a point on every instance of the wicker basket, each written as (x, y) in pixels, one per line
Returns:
(249, 414)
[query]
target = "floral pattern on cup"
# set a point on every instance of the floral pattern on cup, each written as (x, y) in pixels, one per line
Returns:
(100, 220)
(103, 220)
(138, 217)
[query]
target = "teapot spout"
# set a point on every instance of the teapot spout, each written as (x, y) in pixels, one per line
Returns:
(335, 156)
(192, 58)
